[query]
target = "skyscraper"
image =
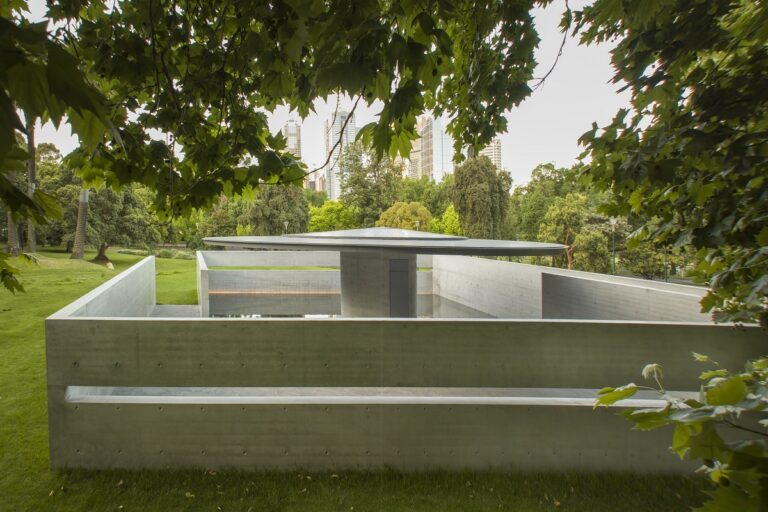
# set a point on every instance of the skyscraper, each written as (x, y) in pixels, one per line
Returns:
(292, 132)
(493, 152)
(436, 149)
(335, 131)
(414, 167)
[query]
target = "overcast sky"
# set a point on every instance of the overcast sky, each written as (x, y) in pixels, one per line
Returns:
(545, 128)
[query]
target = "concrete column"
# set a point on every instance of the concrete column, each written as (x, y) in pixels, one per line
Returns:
(378, 284)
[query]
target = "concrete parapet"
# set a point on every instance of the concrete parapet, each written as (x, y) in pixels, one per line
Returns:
(129, 294)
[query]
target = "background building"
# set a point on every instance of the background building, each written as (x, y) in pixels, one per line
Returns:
(493, 152)
(335, 130)
(436, 149)
(292, 132)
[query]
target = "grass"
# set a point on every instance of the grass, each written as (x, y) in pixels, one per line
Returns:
(26, 482)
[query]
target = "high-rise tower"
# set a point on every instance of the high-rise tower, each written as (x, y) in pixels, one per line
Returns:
(339, 127)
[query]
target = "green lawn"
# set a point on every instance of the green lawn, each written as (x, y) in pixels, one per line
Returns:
(26, 483)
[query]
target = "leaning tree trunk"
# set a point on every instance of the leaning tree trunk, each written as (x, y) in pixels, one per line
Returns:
(13, 237)
(31, 182)
(78, 247)
(101, 257)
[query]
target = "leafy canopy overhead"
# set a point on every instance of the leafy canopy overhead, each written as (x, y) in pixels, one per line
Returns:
(205, 74)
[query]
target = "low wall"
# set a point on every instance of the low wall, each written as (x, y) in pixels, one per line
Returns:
(129, 294)
(358, 393)
(221, 354)
(514, 290)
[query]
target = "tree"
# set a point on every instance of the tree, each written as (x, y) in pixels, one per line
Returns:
(434, 196)
(333, 216)
(481, 197)
(593, 254)
(691, 152)
(401, 215)
(368, 183)
(529, 203)
(275, 211)
(314, 197)
(448, 223)
(222, 219)
(203, 75)
(563, 222)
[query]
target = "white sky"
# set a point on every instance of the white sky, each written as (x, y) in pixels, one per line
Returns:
(545, 128)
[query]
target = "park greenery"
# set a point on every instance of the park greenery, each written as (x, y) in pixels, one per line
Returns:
(170, 102)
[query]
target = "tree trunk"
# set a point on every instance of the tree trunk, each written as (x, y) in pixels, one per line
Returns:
(31, 182)
(101, 257)
(78, 247)
(13, 237)
(569, 254)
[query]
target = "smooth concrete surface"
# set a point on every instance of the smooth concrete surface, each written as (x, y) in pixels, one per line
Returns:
(389, 239)
(514, 290)
(150, 352)
(500, 289)
(271, 258)
(330, 394)
(327, 437)
(233, 292)
(390, 352)
(378, 284)
(129, 294)
(597, 299)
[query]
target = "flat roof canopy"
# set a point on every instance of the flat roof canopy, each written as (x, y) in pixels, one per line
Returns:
(399, 240)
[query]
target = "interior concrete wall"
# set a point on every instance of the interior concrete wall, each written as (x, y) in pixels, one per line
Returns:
(513, 290)
(500, 289)
(129, 294)
(275, 292)
(270, 258)
(354, 353)
(599, 299)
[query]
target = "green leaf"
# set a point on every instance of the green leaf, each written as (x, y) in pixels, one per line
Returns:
(608, 395)
(728, 499)
(727, 392)
(28, 87)
(680, 439)
(347, 76)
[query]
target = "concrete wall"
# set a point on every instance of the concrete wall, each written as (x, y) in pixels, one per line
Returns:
(129, 294)
(593, 298)
(278, 292)
(500, 289)
(514, 290)
(282, 259)
(213, 431)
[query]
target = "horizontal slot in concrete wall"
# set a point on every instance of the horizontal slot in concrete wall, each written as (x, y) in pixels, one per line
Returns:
(600, 299)
(129, 294)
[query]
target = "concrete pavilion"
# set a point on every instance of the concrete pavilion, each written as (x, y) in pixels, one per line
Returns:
(378, 265)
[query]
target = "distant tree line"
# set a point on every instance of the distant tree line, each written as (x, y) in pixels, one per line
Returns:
(474, 201)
